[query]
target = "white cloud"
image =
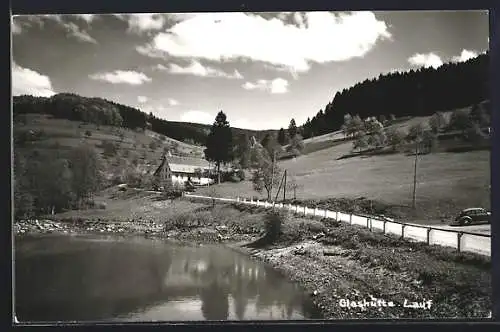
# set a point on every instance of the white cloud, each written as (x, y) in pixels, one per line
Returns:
(73, 30)
(291, 71)
(24, 21)
(140, 23)
(298, 17)
(29, 82)
(173, 102)
(86, 17)
(197, 69)
(142, 99)
(15, 27)
(278, 85)
(53, 17)
(150, 52)
(433, 60)
(283, 15)
(231, 36)
(464, 56)
(35, 19)
(122, 76)
(198, 117)
(160, 67)
(426, 60)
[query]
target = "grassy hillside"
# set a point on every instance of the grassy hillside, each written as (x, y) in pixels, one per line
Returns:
(335, 138)
(134, 149)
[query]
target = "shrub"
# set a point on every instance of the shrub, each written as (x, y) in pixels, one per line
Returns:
(429, 141)
(459, 120)
(153, 145)
(361, 142)
(274, 221)
(88, 133)
(395, 138)
(315, 226)
(109, 148)
(88, 203)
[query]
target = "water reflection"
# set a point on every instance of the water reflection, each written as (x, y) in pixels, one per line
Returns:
(64, 278)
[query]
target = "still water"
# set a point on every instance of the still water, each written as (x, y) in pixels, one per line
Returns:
(107, 279)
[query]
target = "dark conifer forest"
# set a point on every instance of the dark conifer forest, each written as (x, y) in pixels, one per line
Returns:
(419, 92)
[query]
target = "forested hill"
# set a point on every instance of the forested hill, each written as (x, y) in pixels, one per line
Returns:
(419, 92)
(104, 112)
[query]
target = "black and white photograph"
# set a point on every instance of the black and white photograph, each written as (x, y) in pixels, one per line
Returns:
(257, 166)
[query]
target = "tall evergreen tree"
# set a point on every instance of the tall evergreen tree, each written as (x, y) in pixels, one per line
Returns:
(292, 128)
(282, 139)
(219, 142)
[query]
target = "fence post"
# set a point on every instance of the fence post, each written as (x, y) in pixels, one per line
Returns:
(296, 209)
(383, 227)
(350, 219)
(403, 231)
(315, 210)
(459, 241)
(305, 210)
(336, 215)
(369, 222)
(429, 235)
(238, 199)
(258, 202)
(326, 213)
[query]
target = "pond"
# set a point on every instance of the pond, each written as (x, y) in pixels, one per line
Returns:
(111, 279)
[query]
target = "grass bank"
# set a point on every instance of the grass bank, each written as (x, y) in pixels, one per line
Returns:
(336, 262)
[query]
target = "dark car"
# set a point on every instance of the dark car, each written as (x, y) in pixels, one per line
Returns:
(473, 216)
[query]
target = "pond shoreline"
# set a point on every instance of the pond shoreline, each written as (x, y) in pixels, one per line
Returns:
(333, 265)
(202, 235)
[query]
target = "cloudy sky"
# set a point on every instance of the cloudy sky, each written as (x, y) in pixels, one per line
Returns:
(262, 69)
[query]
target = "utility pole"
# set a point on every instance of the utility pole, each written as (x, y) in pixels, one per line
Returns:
(414, 200)
(284, 189)
(272, 174)
(279, 187)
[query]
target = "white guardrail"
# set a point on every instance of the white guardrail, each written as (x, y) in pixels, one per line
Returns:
(462, 241)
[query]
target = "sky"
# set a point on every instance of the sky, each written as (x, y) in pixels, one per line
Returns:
(261, 69)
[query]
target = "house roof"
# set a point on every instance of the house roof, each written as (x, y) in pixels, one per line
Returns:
(180, 168)
(160, 168)
(179, 164)
(196, 162)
